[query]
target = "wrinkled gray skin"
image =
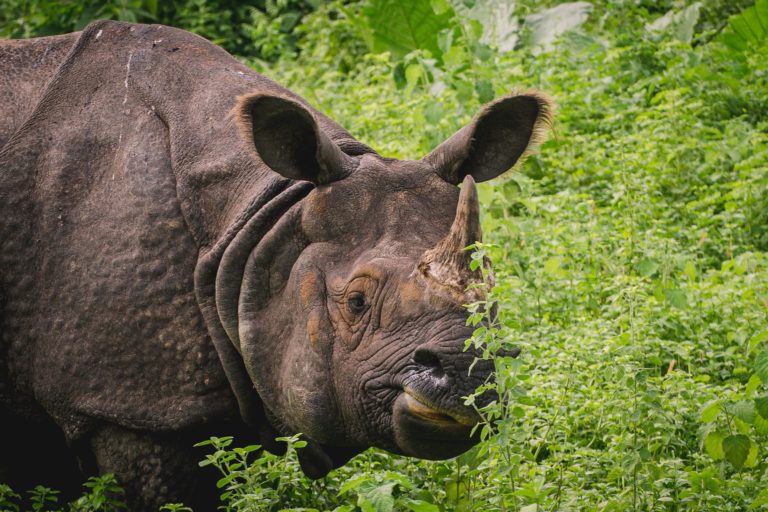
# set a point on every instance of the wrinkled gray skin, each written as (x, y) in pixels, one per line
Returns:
(188, 249)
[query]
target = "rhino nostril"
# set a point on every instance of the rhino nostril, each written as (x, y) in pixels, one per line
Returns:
(428, 359)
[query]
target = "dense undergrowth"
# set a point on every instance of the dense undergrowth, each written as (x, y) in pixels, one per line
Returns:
(631, 253)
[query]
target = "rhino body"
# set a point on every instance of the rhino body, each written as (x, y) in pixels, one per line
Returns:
(188, 249)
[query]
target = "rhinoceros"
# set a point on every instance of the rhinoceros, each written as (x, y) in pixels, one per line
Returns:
(189, 249)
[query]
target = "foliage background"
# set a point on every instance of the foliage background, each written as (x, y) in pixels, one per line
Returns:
(630, 253)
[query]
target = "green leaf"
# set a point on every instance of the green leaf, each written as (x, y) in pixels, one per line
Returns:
(686, 21)
(736, 449)
(753, 21)
(440, 6)
(456, 490)
(753, 384)
(354, 483)
(647, 267)
(761, 425)
(402, 26)
(748, 27)
(681, 23)
(412, 74)
(741, 27)
(484, 90)
(710, 411)
(761, 7)
(690, 270)
(544, 27)
(761, 405)
(482, 51)
(733, 41)
(751, 456)
(744, 410)
(398, 479)
(421, 506)
(761, 366)
(713, 443)
(758, 338)
(676, 298)
(499, 25)
(379, 497)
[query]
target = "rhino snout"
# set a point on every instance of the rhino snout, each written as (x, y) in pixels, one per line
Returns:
(430, 419)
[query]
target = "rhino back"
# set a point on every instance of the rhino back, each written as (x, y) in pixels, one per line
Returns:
(100, 319)
(26, 66)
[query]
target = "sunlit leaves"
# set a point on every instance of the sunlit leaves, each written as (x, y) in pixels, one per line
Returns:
(713, 443)
(710, 411)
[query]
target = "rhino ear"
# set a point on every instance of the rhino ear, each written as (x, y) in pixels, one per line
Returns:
(288, 139)
(504, 132)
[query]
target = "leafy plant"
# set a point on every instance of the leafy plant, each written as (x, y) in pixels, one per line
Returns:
(748, 27)
(401, 26)
(8, 499)
(41, 498)
(103, 494)
(630, 254)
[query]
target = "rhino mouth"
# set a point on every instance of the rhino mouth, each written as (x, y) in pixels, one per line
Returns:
(425, 430)
(421, 407)
(427, 417)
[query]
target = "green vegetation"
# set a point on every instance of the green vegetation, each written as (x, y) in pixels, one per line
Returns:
(631, 254)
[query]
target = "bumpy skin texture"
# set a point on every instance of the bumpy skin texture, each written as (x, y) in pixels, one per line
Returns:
(184, 246)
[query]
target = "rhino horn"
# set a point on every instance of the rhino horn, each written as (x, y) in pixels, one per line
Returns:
(448, 262)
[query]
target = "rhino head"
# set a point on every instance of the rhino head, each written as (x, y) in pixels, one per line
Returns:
(351, 318)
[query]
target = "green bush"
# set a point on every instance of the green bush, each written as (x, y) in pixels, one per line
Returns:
(630, 254)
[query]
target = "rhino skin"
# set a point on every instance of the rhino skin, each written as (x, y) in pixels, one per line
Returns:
(188, 249)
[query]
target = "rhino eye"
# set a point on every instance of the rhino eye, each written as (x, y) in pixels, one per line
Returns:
(357, 303)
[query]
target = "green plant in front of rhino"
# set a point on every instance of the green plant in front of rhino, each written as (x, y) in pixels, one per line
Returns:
(102, 494)
(252, 478)
(175, 507)
(499, 427)
(8, 499)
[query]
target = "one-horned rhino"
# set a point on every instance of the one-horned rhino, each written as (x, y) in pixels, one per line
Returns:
(189, 249)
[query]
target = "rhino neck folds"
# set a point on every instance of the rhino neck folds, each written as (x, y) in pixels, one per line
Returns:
(247, 241)
(218, 278)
